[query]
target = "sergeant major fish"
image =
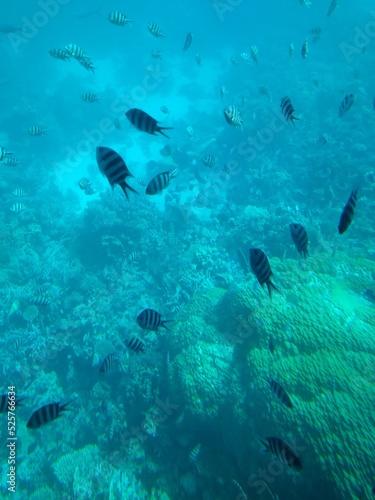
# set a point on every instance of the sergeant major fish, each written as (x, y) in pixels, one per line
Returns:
(346, 104)
(4, 402)
(347, 214)
(261, 268)
(300, 238)
(144, 122)
(188, 40)
(114, 168)
(279, 392)
(118, 18)
(160, 182)
(155, 30)
(288, 110)
(149, 319)
(107, 363)
(282, 451)
(135, 345)
(233, 116)
(46, 414)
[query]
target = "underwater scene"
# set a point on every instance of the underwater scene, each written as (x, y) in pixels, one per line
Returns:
(187, 258)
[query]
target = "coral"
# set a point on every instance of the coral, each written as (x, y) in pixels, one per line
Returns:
(85, 460)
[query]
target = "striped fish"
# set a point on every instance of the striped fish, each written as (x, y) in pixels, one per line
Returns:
(305, 49)
(90, 97)
(300, 238)
(264, 91)
(46, 273)
(332, 7)
(41, 301)
(87, 64)
(261, 268)
(4, 154)
(246, 57)
(160, 182)
(254, 53)
(135, 345)
(11, 162)
(194, 454)
(107, 363)
(149, 319)
(233, 116)
(198, 59)
(288, 110)
(114, 168)
(154, 29)
(42, 288)
(156, 54)
(188, 40)
(346, 104)
(4, 402)
(61, 54)
(17, 208)
(282, 451)
(118, 18)
(190, 132)
(347, 214)
(209, 161)
(36, 130)
(291, 50)
(271, 344)
(19, 192)
(279, 392)
(144, 122)
(46, 414)
(75, 51)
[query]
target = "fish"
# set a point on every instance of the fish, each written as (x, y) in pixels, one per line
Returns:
(4, 154)
(156, 54)
(166, 151)
(89, 190)
(112, 166)
(271, 344)
(242, 261)
(369, 295)
(209, 161)
(118, 18)
(288, 110)
(14, 308)
(160, 182)
(332, 7)
(149, 319)
(151, 69)
(17, 208)
(107, 363)
(246, 57)
(262, 270)
(41, 301)
(291, 50)
(346, 104)
(279, 392)
(90, 97)
(46, 414)
(88, 13)
(264, 91)
(305, 49)
(188, 40)
(233, 116)
(117, 124)
(282, 451)
(164, 110)
(194, 454)
(61, 54)
(315, 33)
(42, 288)
(305, 3)
(155, 30)
(198, 59)
(254, 53)
(133, 257)
(223, 91)
(11, 162)
(322, 140)
(144, 122)
(87, 64)
(83, 183)
(6, 29)
(347, 214)
(234, 60)
(190, 132)
(75, 51)
(19, 192)
(36, 130)
(300, 238)
(46, 273)
(4, 402)
(135, 345)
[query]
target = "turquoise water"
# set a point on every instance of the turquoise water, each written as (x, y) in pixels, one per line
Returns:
(79, 261)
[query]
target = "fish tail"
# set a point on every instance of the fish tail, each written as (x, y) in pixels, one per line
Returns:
(63, 407)
(264, 443)
(18, 401)
(124, 186)
(166, 321)
(160, 129)
(292, 119)
(271, 287)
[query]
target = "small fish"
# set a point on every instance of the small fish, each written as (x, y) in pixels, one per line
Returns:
(75, 51)
(300, 238)
(209, 161)
(264, 91)
(291, 50)
(346, 104)
(46, 273)
(305, 49)
(282, 451)
(117, 124)
(89, 190)
(17, 208)
(233, 116)
(156, 54)
(198, 59)
(88, 13)
(194, 454)
(155, 30)
(133, 257)
(61, 54)
(107, 363)
(36, 130)
(42, 289)
(41, 301)
(18, 344)
(46, 414)
(254, 53)
(271, 344)
(135, 345)
(188, 40)
(322, 140)
(149, 319)
(83, 183)
(14, 308)
(90, 97)
(4, 402)
(118, 18)
(223, 91)
(4, 154)
(288, 110)
(369, 295)
(246, 57)
(166, 151)
(279, 392)
(234, 61)
(305, 3)
(151, 69)
(332, 7)
(144, 122)
(262, 270)
(315, 33)
(164, 110)
(11, 162)
(19, 192)
(160, 182)
(6, 29)
(190, 132)
(114, 168)
(87, 64)
(347, 214)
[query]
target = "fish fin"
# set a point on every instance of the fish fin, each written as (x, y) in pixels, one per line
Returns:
(18, 401)
(124, 186)
(264, 443)
(63, 407)
(271, 287)
(166, 321)
(160, 130)
(292, 118)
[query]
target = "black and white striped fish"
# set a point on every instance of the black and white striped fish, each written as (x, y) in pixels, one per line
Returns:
(288, 110)
(209, 161)
(155, 30)
(282, 451)
(41, 301)
(254, 53)
(194, 454)
(75, 51)
(19, 192)
(118, 18)
(87, 64)
(17, 208)
(291, 50)
(135, 345)
(61, 54)
(160, 182)
(42, 288)
(346, 104)
(114, 168)
(188, 40)
(149, 319)
(90, 97)
(4, 402)
(261, 268)
(11, 162)
(305, 49)
(36, 130)
(108, 363)
(46, 414)
(332, 7)
(347, 214)
(144, 122)
(233, 116)
(46, 273)
(279, 392)
(300, 238)
(246, 57)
